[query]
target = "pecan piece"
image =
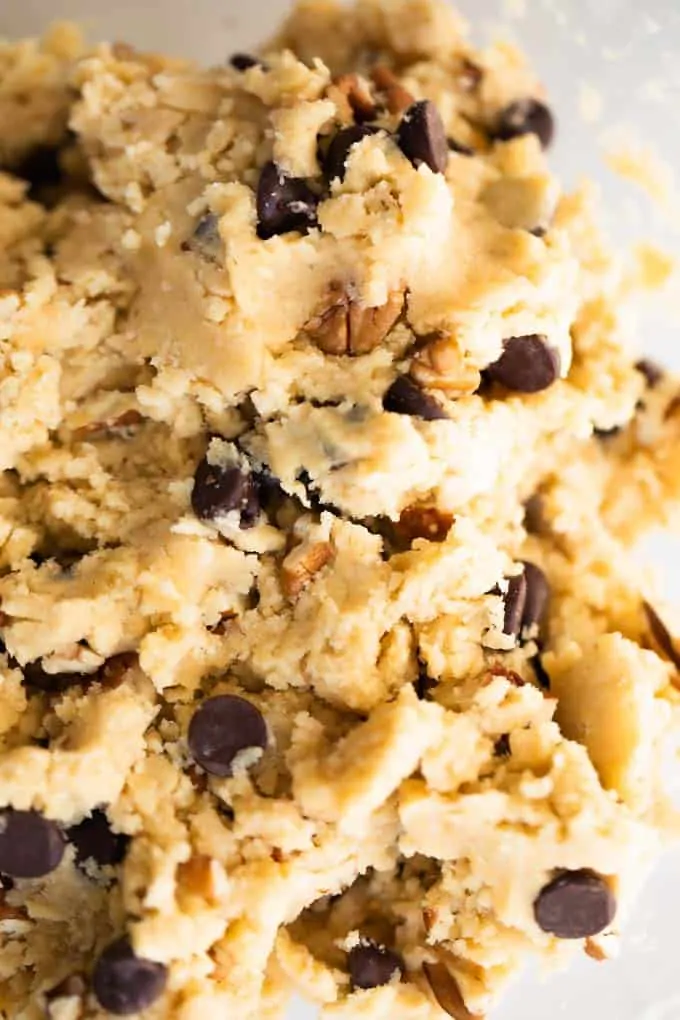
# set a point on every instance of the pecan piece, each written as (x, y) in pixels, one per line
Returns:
(397, 97)
(100, 428)
(424, 522)
(351, 94)
(345, 327)
(663, 640)
(440, 364)
(196, 877)
(301, 564)
(469, 76)
(447, 993)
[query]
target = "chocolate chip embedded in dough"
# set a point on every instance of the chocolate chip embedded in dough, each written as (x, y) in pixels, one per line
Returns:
(283, 203)
(124, 983)
(652, 372)
(218, 490)
(575, 904)
(243, 61)
(528, 364)
(515, 599)
(537, 596)
(30, 844)
(337, 154)
(526, 116)
(371, 966)
(93, 838)
(405, 396)
(422, 138)
(223, 727)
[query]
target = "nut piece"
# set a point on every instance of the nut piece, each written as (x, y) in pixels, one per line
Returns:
(469, 76)
(352, 96)
(397, 97)
(196, 877)
(301, 564)
(594, 950)
(447, 993)
(441, 365)
(424, 522)
(100, 428)
(345, 327)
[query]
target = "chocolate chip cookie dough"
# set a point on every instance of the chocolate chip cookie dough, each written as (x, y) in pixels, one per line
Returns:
(323, 445)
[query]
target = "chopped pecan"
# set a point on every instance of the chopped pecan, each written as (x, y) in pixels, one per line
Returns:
(197, 877)
(397, 97)
(663, 640)
(440, 364)
(594, 950)
(351, 93)
(424, 522)
(115, 670)
(124, 51)
(447, 993)
(301, 564)
(672, 409)
(429, 918)
(9, 912)
(470, 76)
(346, 327)
(508, 674)
(100, 428)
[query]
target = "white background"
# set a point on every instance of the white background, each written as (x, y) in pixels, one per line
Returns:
(629, 51)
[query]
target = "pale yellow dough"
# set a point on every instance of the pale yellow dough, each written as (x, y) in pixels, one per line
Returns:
(127, 352)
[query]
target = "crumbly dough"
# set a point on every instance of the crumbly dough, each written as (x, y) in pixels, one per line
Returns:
(284, 414)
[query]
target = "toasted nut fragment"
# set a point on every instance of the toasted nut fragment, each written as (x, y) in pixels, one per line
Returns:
(196, 877)
(440, 364)
(10, 913)
(424, 522)
(470, 76)
(447, 993)
(301, 564)
(397, 97)
(115, 670)
(124, 51)
(98, 428)
(346, 327)
(663, 640)
(429, 918)
(356, 94)
(595, 951)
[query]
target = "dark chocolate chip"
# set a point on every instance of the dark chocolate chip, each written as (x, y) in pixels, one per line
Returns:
(335, 160)
(124, 983)
(283, 203)
(242, 61)
(462, 150)
(218, 490)
(405, 396)
(526, 116)
(42, 169)
(575, 904)
(94, 839)
(424, 684)
(539, 231)
(534, 514)
(652, 372)
(30, 845)
(501, 748)
(527, 365)
(371, 966)
(537, 595)
(604, 434)
(540, 671)
(662, 635)
(223, 727)
(422, 138)
(515, 599)
(116, 669)
(37, 677)
(205, 240)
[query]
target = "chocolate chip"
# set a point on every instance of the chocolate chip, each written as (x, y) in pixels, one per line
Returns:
(515, 599)
(446, 991)
(575, 904)
(537, 595)
(30, 845)
(534, 514)
(37, 678)
(219, 490)
(424, 684)
(42, 169)
(501, 748)
(539, 231)
(662, 635)
(527, 365)
(116, 669)
(94, 839)
(242, 61)
(223, 727)
(205, 240)
(652, 372)
(283, 203)
(335, 160)
(371, 966)
(604, 434)
(124, 983)
(406, 397)
(526, 116)
(540, 671)
(462, 150)
(422, 138)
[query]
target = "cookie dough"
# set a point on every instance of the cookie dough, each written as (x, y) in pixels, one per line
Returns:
(325, 667)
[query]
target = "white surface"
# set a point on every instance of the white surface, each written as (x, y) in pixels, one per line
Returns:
(629, 51)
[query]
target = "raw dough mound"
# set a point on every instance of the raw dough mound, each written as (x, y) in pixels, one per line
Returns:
(324, 666)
